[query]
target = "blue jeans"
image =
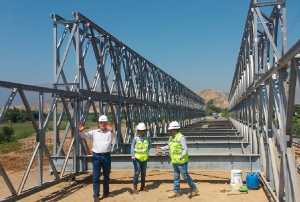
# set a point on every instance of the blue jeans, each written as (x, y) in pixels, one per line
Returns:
(101, 161)
(139, 167)
(182, 168)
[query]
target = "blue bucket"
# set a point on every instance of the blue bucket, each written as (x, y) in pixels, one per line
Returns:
(252, 180)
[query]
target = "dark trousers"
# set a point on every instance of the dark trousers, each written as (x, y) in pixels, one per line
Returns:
(139, 167)
(101, 161)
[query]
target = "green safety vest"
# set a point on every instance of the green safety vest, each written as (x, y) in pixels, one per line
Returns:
(176, 149)
(141, 151)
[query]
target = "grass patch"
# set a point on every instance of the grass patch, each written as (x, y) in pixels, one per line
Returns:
(10, 147)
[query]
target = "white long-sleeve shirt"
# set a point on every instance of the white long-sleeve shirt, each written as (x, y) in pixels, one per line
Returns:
(101, 139)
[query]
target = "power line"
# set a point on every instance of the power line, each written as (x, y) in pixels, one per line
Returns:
(293, 24)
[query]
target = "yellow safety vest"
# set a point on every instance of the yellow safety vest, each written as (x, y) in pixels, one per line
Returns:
(141, 151)
(176, 149)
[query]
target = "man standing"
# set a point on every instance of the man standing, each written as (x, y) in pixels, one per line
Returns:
(101, 138)
(179, 158)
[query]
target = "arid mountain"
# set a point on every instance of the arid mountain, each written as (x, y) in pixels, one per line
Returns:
(221, 98)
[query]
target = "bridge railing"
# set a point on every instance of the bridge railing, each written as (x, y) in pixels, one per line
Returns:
(262, 95)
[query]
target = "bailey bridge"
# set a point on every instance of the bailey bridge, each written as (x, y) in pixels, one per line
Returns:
(257, 136)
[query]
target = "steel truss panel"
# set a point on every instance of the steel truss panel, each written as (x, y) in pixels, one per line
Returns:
(204, 161)
(124, 83)
(262, 95)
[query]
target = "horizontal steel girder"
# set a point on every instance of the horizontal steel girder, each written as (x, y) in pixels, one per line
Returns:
(208, 127)
(203, 139)
(203, 130)
(204, 148)
(204, 161)
(201, 134)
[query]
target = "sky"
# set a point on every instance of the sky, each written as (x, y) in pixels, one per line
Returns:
(196, 42)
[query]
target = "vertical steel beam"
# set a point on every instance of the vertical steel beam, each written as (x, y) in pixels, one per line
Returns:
(41, 135)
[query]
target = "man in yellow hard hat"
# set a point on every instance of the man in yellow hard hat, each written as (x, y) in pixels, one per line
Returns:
(179, 158)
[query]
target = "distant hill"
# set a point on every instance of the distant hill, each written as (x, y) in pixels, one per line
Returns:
(220, 97)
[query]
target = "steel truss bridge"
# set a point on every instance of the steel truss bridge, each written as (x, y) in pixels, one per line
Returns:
(106, 76)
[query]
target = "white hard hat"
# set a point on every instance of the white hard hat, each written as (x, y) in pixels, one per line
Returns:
(141, 126)
(103, 118)
(174, 125)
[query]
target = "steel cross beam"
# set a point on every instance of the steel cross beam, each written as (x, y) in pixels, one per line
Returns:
(262, 95)
(107, 78)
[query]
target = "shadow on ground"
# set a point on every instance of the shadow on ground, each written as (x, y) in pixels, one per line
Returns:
(151, 184)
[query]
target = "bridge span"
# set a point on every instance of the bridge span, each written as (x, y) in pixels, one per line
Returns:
(257, 136)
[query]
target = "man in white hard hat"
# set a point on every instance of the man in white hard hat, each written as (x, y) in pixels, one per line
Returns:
(140, 147)
(101, 138)
(179, 158)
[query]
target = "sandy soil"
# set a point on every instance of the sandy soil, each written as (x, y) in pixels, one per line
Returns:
(159, 183)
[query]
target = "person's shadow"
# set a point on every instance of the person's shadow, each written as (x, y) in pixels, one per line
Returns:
(119, 191)
(155, 184)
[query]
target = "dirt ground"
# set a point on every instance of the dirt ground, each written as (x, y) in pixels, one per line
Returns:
(159, 183)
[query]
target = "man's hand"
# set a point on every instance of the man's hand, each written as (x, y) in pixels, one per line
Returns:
(110, 127)
(133, 159)
(80, 126)
(157, 148)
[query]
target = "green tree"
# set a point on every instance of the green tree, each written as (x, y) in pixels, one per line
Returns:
(16, 115)
(225, 113)
(296, 121)
(210, 107)
(210, 103)
(297, 110)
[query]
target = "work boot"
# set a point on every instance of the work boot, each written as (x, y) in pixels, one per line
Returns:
(173, 195)
(96, 199)
(143, 188)
(193, 193)
(135, 189)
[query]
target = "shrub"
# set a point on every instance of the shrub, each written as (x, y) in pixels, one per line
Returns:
(6, 133)
(225, 113)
